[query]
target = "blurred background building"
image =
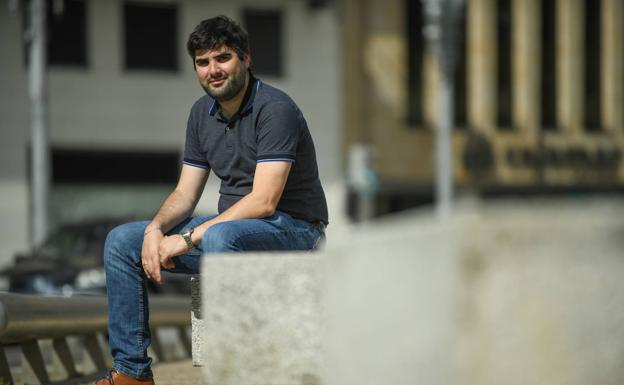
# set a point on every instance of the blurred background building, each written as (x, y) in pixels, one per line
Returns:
(539, 96)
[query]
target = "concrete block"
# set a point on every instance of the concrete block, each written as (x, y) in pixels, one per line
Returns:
(515, 292)
(196, 321)
(262, 319)
(390, 306)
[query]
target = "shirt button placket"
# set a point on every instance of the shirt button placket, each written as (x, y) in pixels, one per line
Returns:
(228, 136)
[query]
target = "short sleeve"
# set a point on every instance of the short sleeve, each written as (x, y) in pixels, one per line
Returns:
(278, 133)
(193, 154)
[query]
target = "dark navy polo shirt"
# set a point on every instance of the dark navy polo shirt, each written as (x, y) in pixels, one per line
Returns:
(268, 127)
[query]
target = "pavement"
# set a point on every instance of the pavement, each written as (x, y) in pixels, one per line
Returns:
(174, 373)
(177, 373)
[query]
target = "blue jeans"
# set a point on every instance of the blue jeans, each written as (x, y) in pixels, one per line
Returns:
(128, 312)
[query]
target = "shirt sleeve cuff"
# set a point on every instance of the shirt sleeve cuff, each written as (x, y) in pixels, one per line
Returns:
(276, 158)
(196, 163)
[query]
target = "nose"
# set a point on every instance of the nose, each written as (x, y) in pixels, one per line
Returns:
(214, 70)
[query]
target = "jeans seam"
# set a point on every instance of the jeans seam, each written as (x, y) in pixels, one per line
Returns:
(141, 322)
(242, 236)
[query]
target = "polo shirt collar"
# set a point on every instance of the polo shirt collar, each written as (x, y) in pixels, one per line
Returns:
(246, 104)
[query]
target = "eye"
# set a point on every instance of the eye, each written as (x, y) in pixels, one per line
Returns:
(201, 62)
(223, 58)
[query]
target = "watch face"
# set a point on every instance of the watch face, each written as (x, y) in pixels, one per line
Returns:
(187, 237)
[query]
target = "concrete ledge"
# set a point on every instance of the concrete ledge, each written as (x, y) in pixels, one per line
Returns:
(197, 322)
(261, 319)
(515, 293)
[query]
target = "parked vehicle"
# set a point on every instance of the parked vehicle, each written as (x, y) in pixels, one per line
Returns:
(70, 262)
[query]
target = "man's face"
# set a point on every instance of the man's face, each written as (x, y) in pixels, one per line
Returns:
(221, 72)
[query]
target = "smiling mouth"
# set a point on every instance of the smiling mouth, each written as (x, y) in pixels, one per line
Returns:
(217, 82)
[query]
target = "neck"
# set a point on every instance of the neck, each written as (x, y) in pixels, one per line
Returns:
(230, 107)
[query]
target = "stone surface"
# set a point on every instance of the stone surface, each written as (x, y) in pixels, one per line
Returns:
(542, 295)
(518, 292)
(390, 305)
(197, 322)
(515, 292)
(262, 319)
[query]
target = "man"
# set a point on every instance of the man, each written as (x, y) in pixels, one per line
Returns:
(255, 139)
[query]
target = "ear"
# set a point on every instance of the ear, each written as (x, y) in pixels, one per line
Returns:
(246, 60)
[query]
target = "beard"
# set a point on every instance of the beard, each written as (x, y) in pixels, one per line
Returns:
(230, 88)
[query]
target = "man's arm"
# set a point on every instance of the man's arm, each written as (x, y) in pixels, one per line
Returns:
(268, 185)
(178, 206)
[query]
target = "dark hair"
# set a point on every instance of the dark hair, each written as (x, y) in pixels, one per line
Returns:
(215, 32)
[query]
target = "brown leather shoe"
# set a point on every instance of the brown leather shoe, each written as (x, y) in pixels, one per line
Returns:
(116, 378)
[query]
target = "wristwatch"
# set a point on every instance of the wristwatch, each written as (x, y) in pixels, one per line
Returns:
(187, 238)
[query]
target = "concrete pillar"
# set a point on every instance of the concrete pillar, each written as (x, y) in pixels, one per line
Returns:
(570, 48)
(482, 64)
(613, 65)
(526, 60)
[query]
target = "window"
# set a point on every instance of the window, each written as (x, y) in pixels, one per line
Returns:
(66, 33)
(265, 40)
(548, 86)
(67, 44)
(113, 167)
(503, 73)
(592, 65)
(151, 36)
(415, 46)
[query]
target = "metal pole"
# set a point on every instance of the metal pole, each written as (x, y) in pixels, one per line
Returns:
(444, 153)
(40, 163)
(440, 31)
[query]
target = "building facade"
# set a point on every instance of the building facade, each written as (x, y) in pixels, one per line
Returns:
(539, 95)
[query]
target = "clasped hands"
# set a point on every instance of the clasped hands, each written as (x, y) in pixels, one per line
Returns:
(157, 251)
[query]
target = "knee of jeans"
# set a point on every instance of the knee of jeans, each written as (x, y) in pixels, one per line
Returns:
(115, 241)
(219, 238)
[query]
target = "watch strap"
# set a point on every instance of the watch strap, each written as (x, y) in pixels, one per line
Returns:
(187, 238)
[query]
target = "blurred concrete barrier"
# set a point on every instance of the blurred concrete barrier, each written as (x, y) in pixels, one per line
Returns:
(391, 305)
(515, 292)
(541, 293)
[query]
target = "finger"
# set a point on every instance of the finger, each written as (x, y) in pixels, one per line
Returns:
(145, 265)
(148, 266)
(156, 274)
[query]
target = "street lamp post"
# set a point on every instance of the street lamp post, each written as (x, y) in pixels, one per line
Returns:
(440, 31)
(40, 158)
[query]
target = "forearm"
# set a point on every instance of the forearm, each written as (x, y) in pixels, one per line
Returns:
(251, 206)
(174, 210)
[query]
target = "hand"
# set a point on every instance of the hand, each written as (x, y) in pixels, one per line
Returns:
(149, 254)
(171, 246)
